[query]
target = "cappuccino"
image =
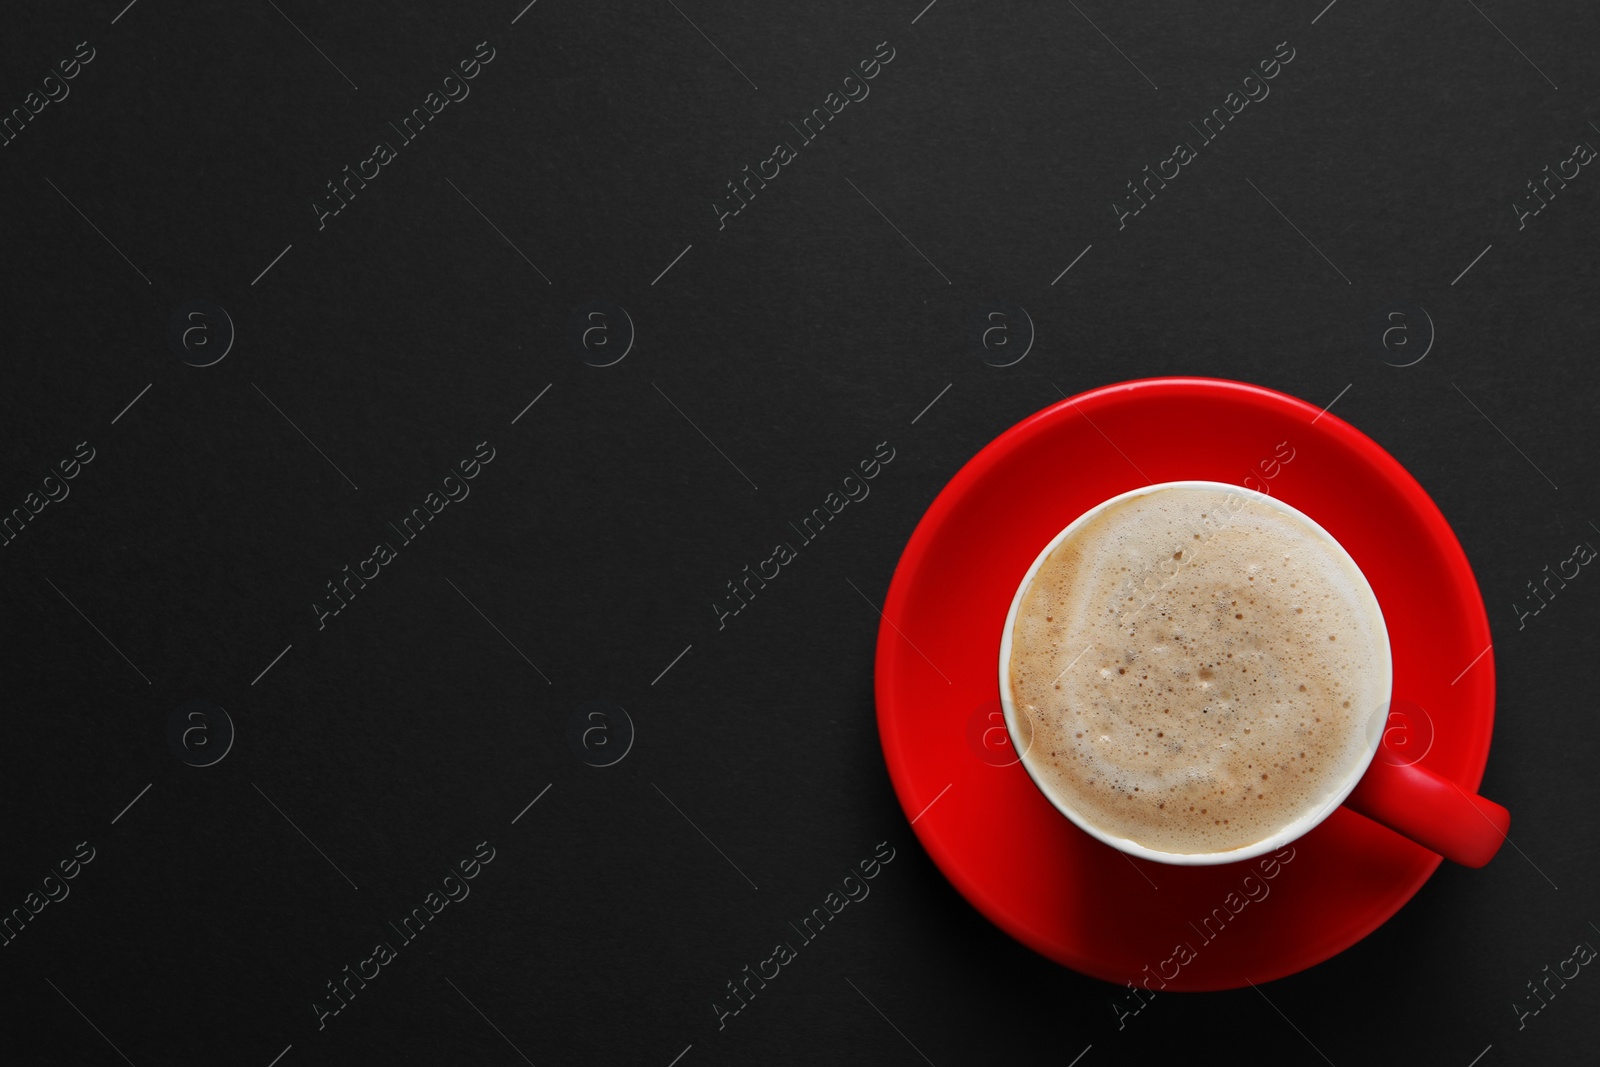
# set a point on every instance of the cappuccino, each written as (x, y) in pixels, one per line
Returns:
(1199, 669)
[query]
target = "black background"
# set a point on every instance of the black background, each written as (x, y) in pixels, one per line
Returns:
(799, 336)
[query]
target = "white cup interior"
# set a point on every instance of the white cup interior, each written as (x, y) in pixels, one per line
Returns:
(1021, 734)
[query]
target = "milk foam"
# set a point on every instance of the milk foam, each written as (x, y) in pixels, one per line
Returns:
(1199, 669)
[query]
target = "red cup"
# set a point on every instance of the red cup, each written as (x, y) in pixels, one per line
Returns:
(1393, 790)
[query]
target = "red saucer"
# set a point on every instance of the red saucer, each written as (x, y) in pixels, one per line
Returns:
(1001, 843)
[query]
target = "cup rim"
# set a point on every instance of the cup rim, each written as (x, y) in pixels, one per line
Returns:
(1291, 831)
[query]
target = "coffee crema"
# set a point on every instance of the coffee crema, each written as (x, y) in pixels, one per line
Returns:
(1199, 669)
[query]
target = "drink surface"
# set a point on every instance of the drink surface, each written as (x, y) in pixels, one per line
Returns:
(1198, 668)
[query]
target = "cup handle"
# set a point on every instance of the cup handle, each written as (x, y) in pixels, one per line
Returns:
(1431, 810)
